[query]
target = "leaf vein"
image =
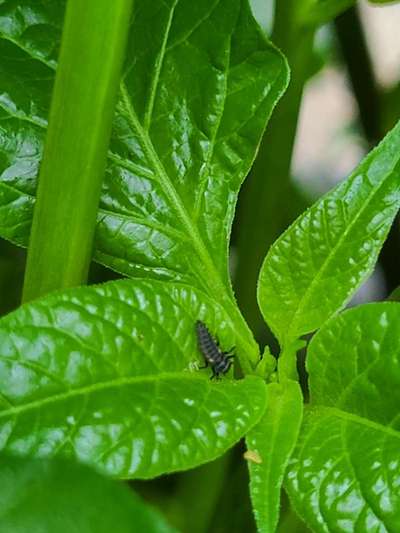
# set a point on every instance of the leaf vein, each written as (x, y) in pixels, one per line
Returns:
(157, 70)
(306, 296)
(96, 387)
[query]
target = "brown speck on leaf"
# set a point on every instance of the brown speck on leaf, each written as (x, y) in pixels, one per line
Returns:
(253, 456)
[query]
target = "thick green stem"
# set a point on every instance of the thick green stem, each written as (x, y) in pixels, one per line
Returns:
(264, 208)
(72, 169)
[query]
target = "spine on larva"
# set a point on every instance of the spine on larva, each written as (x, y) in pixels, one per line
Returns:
(207, 345)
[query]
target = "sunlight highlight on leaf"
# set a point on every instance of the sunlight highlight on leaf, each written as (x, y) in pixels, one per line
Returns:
(106, 374)
(181, 147)
(345, 472)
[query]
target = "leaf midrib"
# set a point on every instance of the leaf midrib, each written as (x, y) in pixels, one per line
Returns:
(306, 296)
(351, 417)
(101, 386)
(207, 271)
(212, 283)
(171, 192)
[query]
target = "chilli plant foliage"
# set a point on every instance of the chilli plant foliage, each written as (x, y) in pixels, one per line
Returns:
(108, 375)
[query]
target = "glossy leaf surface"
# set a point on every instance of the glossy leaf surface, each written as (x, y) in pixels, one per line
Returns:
(108, 375)
(345, 472)
(273, 439)
(316, 265)
(200, 82)
(38, 496)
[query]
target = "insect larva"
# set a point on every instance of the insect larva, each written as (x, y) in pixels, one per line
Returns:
(219, 361)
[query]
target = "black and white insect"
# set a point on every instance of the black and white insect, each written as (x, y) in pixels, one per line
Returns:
(219, 361)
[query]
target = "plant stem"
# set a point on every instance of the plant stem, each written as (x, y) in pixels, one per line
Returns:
(265, 207)
(73, 164)
(358, 62)
(366, 90)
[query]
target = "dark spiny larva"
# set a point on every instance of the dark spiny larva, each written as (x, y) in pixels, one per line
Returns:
(219, 361)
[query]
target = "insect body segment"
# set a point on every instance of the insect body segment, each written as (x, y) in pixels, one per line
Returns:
(219, 361)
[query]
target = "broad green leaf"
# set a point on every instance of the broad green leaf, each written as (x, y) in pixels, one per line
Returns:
(313, 269)
(108, 374)
(273, 440)
(345, 472)
(41, 496)
(318, 12)
(199, 84)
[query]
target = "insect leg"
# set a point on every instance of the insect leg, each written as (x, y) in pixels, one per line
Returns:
(229, 354)
(215, 374)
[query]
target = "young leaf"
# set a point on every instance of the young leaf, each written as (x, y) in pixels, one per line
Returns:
(344, 474)
(107, 374)
(273, 440)
(63, 497)
(316, 265)
(193, 105)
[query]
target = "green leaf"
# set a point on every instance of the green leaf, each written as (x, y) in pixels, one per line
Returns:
(108, 375)
(273, 440)
(194, 102)
(63, 497)
(313, 269)
(345, 472)
(318, 12)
